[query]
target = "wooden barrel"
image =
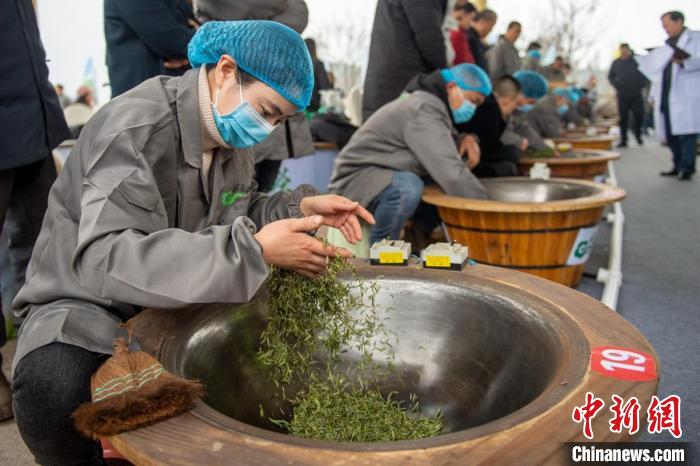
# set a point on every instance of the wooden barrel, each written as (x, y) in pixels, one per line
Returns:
(501, 318)
(588, 142)
(548, 238)
(587, 164)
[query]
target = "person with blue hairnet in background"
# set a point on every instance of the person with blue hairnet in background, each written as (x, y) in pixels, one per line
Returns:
(547, 116)
(518, 132)
(156, 207)
(412, 141)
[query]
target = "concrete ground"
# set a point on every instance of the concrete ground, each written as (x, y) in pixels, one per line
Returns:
(661, 264)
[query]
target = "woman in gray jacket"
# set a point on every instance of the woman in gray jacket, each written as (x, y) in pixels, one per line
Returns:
(157, 207)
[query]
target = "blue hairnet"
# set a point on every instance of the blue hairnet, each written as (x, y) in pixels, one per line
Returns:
(469, 77)
(576, 93)
(566, 92)
(268, 51)
(533, 84)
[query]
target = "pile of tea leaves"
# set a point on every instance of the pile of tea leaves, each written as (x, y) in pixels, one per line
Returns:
(311, 323)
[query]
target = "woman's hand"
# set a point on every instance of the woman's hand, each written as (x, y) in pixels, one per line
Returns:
(286, 245)
(338, 212)
(469, 147)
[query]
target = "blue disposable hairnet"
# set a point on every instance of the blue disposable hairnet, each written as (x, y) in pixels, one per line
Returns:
(533, 84)
(269, 51)
(469, 77)
(576, 93)
(566, 92)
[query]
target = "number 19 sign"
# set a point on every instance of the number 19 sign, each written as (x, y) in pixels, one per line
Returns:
(623, 363)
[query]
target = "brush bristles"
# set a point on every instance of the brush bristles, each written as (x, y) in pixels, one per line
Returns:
(160, 399)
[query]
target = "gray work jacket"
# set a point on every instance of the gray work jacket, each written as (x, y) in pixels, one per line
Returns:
(130, 223)
(502, 59)
(519, 128)
(545, 119)
(413, 133)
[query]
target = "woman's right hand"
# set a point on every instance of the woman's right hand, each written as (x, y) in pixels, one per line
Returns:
(286, 245)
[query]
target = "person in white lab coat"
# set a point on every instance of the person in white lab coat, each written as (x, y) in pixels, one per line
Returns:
(675, 72)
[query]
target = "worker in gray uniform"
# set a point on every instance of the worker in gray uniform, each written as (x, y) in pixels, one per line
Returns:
(518, 132)
(410, 141)
(547, 116)
(156, 207)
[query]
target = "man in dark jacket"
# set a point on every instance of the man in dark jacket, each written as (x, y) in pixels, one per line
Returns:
(141, 36)
(292, 13)
(31, 125)
(489, 124)
(484, 22)
(406, 40)
(629, 82)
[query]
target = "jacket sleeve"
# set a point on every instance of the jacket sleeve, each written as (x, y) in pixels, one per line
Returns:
(127, 253)
(493, 61)
(157, 26)
(612, 74)
(425, 22)
(267, 208)
(430, 140)
(548, 124)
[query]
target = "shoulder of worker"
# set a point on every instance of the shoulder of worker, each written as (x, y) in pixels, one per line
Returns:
(422, 102)
(140, 113)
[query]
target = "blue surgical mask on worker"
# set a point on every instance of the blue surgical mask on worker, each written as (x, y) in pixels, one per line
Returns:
(534, 54)
(242, 127)
(562, 109)
(526, 108)
(464, 113)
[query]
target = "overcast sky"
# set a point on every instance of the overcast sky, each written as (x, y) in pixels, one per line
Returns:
(72, 30)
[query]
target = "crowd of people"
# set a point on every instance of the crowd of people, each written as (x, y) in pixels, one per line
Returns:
(206, 103)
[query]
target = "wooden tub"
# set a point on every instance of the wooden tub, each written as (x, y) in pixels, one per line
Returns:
(588, 142)
(506, 355)
(589, 164)
(541, 227)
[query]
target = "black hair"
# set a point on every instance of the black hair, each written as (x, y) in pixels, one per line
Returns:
(466, 7)
(625, 45)
(486, 15)
(559, 58)
(534, 46)
(675, 16)
(311, 45)
(514, 24)
(506, 86)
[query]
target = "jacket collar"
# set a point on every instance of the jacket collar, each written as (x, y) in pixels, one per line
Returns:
(188, 118)
(684, 38)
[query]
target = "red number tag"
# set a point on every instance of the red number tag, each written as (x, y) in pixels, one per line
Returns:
(623, 363)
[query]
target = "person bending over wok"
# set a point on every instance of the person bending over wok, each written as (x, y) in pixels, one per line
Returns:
(157, 207)
(409, 142)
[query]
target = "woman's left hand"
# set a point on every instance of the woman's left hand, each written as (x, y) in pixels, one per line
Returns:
(338, 212)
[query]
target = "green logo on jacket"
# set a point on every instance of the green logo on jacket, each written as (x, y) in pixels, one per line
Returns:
(229, 198)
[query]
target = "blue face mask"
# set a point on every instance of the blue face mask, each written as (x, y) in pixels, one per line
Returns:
(243, 127)
(526, 108)
(464, 113)
(562, 109)
(534, 54)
